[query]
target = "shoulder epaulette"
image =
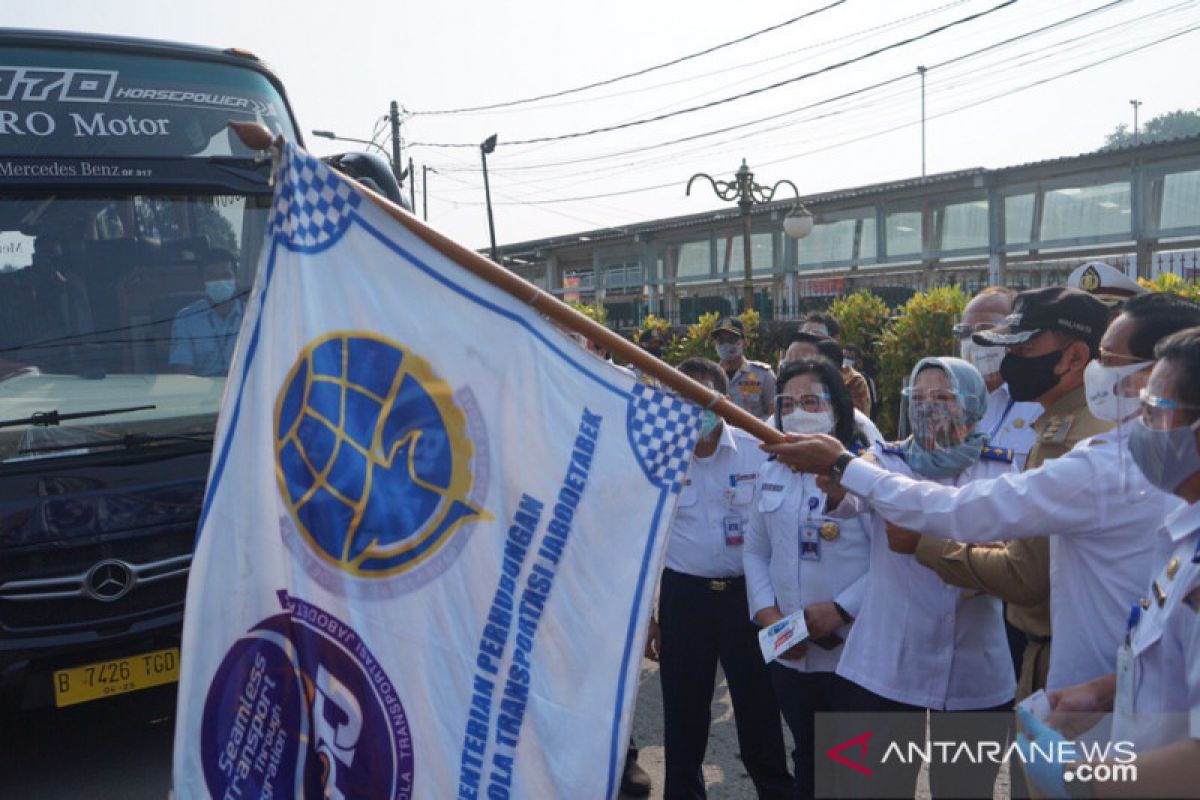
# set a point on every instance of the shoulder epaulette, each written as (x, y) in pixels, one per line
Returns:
(762, 364)
(1057, 428)
(1002, 454)
(894, 449)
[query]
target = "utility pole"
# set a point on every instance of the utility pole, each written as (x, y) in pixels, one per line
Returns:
(425, 170)
(394, 117)
(921, 71)
(1137, 137)
(489, 146)
(412, 186)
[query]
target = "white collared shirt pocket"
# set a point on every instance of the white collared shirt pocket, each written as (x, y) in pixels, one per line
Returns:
(689, 493)
(742, 493)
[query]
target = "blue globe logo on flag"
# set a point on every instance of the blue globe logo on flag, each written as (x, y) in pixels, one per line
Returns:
(372, 454)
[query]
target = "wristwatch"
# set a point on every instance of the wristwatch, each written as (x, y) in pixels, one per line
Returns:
(839, 467)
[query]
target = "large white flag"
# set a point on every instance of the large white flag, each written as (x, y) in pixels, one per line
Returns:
(431, 535)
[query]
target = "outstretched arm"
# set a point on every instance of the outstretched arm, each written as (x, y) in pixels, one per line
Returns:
(1017, 572)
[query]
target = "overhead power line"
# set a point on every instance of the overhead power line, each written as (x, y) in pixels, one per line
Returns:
(875, 102)
(905, 76)
(725, 70)
(742, 95)
(893, 129)
(638, 73)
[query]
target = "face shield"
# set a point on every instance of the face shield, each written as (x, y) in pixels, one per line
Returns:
(1111, 386)
(943, 402)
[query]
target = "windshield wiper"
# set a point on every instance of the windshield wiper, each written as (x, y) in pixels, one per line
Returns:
(48, 418)
(129, 441)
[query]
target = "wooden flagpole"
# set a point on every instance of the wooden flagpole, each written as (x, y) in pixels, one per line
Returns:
(259, 138)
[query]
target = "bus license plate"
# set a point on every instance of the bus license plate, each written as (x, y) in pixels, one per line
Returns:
(119, 676)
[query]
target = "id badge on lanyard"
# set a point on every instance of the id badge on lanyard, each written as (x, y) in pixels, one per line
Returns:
(810, 534)
(734, 530)
(1127, 669)
(734, 524)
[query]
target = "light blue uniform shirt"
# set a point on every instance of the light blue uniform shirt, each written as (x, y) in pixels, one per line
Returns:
(202, 340)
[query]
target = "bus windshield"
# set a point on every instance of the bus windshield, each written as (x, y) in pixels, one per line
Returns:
(130, 227)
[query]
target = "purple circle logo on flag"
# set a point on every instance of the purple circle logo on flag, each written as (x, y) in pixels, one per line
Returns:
(300, 708)
(373, 455)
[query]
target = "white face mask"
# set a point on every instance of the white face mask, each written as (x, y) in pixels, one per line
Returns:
(729, 351)
(1105, 397)
(985, 359)
(801, 421)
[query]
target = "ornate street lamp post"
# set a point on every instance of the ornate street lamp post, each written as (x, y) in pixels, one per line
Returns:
(747, 193)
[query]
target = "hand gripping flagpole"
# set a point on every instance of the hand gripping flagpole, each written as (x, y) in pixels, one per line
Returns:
(257, 137)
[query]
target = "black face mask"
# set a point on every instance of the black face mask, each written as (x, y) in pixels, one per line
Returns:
(1030, 377)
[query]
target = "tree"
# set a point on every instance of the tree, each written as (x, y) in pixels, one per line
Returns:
(1171, 125)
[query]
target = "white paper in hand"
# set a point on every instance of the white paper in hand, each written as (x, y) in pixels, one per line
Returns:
(779, 636)
(1037, 704)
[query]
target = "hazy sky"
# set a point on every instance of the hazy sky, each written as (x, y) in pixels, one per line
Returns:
(344, 61)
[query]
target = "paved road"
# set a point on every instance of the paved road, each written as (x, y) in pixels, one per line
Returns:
(118, 749)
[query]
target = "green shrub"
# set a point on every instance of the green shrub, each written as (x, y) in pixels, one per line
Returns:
(864, 319)
(595, 312)
(1169, 282)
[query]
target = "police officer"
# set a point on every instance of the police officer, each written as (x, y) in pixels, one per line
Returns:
(751, 383)
(825, 576)
(1155, 690)
(1100, 513)
(703, 616)
(1107, 284)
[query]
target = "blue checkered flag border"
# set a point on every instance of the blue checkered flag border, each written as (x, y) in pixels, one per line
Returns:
(313, 204)
(663, 430)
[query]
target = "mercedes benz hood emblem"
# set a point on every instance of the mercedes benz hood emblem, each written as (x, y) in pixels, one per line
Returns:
(108, 581)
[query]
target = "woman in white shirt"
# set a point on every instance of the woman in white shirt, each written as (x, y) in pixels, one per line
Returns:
(795, 557)
(918, 643)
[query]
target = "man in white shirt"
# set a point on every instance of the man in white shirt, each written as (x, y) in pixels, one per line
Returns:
(704, 617)
(1155, 691)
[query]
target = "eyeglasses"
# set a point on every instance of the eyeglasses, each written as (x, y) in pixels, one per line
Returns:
(1158, 413)
(808, 402)
(962, 330)
(931, 396)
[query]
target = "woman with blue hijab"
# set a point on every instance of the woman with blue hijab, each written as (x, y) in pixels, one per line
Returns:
(918, 643)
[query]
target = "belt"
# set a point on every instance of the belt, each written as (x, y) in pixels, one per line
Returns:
(1035, 639)
(712, 584)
